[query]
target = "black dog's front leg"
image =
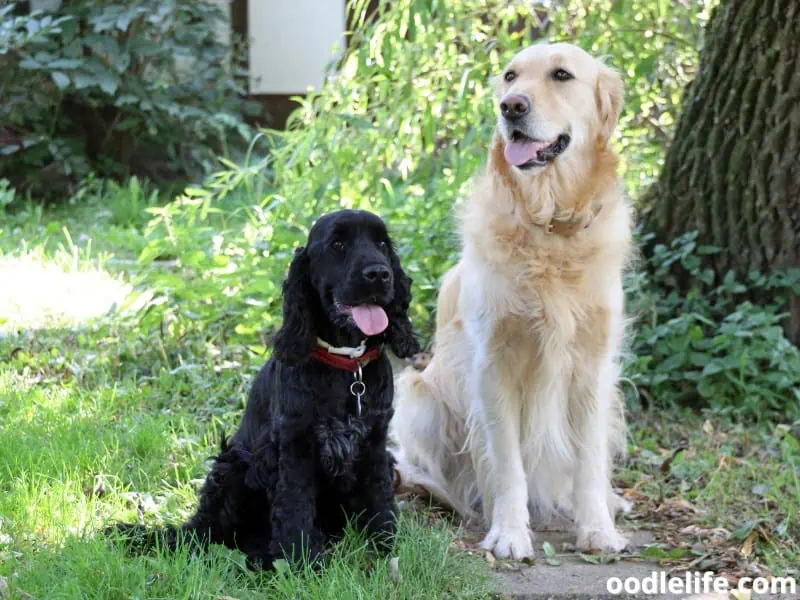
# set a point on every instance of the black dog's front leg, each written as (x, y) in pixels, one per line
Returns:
(294, 534)
(373, 501)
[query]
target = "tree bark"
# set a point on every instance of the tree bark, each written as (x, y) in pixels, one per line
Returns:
(732, 172)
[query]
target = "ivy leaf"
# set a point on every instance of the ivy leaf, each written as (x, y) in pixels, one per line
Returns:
(83, 80)
(107, 82)
(61, 79)
(29, 63)
(64, 63)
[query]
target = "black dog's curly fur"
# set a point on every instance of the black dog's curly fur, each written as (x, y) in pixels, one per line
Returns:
(303, 461)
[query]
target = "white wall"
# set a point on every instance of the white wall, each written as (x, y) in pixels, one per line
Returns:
(291, 42)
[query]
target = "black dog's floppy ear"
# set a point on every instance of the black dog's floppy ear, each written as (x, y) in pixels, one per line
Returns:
(400, 333)
(296, 338)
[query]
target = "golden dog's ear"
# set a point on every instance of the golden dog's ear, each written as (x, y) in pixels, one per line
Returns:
(609, 94)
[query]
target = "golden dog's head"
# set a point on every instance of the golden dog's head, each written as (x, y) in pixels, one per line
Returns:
(552, 100)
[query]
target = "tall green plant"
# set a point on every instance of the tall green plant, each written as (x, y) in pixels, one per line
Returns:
(402, 125)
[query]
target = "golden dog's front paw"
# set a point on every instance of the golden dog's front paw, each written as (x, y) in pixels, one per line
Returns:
(509, 542)
(604, 540)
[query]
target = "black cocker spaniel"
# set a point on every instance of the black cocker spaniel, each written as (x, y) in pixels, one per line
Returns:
(310, 453)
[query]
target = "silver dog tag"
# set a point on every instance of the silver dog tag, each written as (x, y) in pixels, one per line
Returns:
(358, 389)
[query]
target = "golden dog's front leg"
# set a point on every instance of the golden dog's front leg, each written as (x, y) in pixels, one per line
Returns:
(592, 487)
(494, 442)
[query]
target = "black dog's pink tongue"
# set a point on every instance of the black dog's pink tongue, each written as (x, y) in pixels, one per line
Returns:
(370, 318)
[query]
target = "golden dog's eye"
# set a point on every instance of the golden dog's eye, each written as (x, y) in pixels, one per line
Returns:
(338, 246)
(510, 76)
(562, 75)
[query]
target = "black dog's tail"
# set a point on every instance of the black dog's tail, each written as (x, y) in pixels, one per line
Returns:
(195, 534)
(139, 539)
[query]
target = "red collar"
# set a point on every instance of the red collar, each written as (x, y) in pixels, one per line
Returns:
(346, 363)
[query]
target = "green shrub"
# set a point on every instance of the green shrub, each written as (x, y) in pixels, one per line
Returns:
(115, 88)
(711, 345)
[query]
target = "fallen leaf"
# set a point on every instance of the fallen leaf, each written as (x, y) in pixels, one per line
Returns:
(589, 558)
(718, 534)
(661, 554)
(462, 545)
(281, 565)
(747, 547)
(745, 530)
(635, 495)
(682, 445)
(744, 595)
(490, 558)
(782, 429)
(394, 568)
(549, 551)
(98, 490)
(708, 427)
(553, 562)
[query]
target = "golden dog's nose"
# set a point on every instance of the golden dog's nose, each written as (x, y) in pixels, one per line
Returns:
(514, 106)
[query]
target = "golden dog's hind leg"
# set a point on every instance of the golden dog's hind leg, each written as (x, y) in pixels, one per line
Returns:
(426, 457)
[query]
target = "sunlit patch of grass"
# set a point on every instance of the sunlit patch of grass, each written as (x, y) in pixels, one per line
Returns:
(37, 291)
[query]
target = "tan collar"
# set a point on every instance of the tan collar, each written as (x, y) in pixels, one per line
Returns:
(570, 226)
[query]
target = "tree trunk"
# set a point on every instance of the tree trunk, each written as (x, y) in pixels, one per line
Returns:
(732, 172)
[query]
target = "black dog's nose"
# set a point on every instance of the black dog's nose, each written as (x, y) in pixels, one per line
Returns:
(375, 273)
(514, 106)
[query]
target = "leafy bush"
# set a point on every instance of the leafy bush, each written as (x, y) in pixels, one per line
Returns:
(712, 346)
(114, 88)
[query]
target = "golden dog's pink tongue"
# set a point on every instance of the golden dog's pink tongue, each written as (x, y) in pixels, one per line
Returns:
(371, 319)
(519, 152)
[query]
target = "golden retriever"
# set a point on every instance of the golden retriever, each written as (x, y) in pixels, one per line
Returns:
(519, 409)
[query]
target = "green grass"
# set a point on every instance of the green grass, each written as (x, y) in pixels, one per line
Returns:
(113, 419)
(107, 420)
(145, 442)
(59, 440)
(687, 471)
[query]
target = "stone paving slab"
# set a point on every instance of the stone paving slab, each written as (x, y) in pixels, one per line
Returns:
(576, 579)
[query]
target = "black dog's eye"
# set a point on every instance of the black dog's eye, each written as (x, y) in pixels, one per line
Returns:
(510, 75)
(383, 246)
(338, 246)
(562, 75)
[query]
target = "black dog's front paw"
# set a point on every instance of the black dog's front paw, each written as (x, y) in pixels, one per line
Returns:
(402, 339)
(382, 529)
(308, 549)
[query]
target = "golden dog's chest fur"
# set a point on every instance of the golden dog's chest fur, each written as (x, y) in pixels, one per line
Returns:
(519, 408)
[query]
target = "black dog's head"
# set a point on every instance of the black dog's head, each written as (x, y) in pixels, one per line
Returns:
(345, 285)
